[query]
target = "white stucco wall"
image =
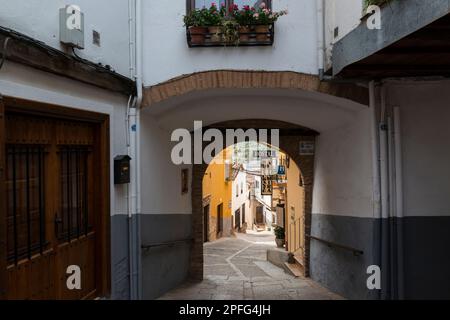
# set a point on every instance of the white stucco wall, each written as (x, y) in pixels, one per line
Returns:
(425, 118)
(343, 170)
(161, 179)
(241, 198)
(26, 83)
(39, 19)
(166, 54)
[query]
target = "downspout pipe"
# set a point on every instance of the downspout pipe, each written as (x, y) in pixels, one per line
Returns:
(138, 105)
(385, 212)
(376, 175)
(130, 147)
(321, 37)
(133, 142)
(399, 201)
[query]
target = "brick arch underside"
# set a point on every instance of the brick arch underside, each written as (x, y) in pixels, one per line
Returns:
(234, 79)
(290, 139)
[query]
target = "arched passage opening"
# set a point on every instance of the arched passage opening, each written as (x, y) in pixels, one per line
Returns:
(253, 193)
(292, 139)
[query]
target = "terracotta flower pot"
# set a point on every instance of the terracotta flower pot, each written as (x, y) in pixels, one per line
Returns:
(262, 33)
(198, 34)
(280, 243)
(244, 34)
(215, 34)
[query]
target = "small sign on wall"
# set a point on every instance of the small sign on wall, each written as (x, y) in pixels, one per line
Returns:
(307, 148)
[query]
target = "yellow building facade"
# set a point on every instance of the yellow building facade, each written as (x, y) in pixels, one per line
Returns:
(217, 184)
(295, 210)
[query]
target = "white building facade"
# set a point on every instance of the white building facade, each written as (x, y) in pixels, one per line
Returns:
(374, 136)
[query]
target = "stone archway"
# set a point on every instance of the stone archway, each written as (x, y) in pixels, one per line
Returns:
(290, 138)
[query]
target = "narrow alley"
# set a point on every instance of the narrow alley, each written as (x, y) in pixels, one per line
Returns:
(237, 269)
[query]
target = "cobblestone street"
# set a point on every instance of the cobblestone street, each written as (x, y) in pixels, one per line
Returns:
(237, 269)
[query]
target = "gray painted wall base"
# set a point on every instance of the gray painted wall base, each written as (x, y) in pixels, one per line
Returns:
(427, 257)
(120, 270)
(426, 268)
(164, 268)
(337, 269)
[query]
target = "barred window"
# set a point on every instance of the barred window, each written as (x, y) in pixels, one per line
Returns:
(74, 220)
(25, 189)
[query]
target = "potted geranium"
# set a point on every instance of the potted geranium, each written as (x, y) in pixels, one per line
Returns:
(280, 236)
(263, 20)
(213, 20)
(245, 20)
(196, 22)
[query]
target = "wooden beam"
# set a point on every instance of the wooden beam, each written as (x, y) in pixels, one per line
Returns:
(23, 50)
(51, 110)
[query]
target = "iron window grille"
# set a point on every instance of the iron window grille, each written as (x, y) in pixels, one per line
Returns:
(73, 221)
(25, 188)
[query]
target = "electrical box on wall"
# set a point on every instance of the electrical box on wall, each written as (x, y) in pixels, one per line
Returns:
(71, 21)
(122, 174)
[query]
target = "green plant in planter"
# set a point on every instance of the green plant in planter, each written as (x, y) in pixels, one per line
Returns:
(280, 233)
(244, 17)
(196, 18)
(265, 16)
(230, 32)
(213, 16)
(204, 17)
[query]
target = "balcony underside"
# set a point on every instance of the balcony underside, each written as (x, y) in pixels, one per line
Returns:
(405, 46)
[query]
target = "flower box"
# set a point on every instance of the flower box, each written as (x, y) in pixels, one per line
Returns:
(249, 26)
(262, 35)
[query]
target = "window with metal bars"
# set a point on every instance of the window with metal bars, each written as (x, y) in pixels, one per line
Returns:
(25, 188)
(73, 220)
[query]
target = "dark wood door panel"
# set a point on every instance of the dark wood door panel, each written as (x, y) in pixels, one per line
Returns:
(50, 203)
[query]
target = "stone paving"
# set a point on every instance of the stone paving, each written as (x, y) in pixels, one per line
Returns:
(237, 269)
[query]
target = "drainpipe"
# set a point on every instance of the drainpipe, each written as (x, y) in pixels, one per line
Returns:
(399, 201)
(392, 207)
(130, 123)
(384, 173)
(376, 180)
(321, 37)
(133, 142)
(139, 86)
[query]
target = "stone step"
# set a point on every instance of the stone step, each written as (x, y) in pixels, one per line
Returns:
(295, 269)
(299, 260)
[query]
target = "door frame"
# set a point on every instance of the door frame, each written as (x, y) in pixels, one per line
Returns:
(102, 196)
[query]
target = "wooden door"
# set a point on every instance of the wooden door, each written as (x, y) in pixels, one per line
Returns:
(219, 219)
(295, 231)
(237, 219)
(206, 223)
(50, 204)
(259, 215)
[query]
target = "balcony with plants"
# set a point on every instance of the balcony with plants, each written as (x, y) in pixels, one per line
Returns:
(246, 26)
